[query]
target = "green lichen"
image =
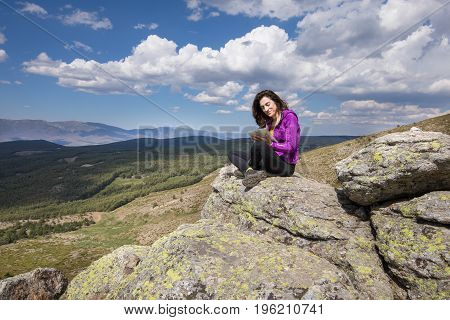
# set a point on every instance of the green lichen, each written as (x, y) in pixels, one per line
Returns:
(351, 164)
(436, 145)
(444, 197)
(407, 233)
(377, 157)
(364, 270)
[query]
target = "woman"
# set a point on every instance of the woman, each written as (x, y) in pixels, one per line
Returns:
(274, 157)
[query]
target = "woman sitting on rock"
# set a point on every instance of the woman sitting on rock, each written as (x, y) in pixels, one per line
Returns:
(275, 153)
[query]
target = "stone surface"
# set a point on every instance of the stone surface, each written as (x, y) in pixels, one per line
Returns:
(307, 214)
(415, 247)
(397, 165)
(208, 260)
(106, 274)
(39, 284)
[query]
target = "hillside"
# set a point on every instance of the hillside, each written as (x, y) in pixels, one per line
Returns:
(318, 164)
(383, 236)
(76, 133)
(145, 219)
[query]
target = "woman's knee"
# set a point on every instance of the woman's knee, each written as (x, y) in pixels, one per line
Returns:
(260, 145)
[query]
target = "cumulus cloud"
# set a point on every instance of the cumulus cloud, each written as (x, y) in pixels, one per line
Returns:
(3, 55)
(78, 45)
(243, 108)
(149, 26)
(371, 112)
(279, 9)
(266, 57)
(2, 38)
(308, 114)
(90, 19)
(218, 94)
(222, 111)
(32, 8)
(197, 10)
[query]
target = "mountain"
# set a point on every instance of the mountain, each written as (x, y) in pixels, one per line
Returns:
(76, 133)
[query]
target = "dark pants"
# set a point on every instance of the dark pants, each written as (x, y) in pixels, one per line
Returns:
(262, 157)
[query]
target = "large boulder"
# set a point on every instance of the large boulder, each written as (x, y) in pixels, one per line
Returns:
(213, 260)
(299, 212)
(413, 237)
(39, 284)
(397, 165)
(105, 274)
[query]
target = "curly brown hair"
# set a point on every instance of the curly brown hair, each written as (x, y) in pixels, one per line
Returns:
(260, 117)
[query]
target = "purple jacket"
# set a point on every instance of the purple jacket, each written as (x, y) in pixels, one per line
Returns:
(287, 133)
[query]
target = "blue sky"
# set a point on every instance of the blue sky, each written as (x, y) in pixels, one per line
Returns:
(200, 62)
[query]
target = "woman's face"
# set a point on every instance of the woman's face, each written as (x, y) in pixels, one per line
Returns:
(268, 106)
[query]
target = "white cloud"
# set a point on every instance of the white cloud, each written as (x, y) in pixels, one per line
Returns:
(396, 14)
(90, 19)
(279, 9)
(373, 113)
(78, 45)
(197, 11)
(2, 38)
(175, 109)
(243, 108)
(66, 6)
(442, 85)
(18, 82)
(3, 55)
(32, 8)
(218, 94)
(222, 111)
(214, 14)
(308, 114)
(5, 82)
(266, 57)
(150, 26)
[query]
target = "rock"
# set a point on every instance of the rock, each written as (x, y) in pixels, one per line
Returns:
(105, 274)
(39, 284)
(213, 260)
(413, 237)
(397, 165)
(307, 214)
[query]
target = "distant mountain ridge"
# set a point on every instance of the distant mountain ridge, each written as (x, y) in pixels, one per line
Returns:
(76, 133)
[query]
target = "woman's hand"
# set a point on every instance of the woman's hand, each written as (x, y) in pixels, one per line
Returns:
(263, 139)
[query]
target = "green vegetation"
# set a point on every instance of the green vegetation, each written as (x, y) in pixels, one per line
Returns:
(33, 229)
(75, 180)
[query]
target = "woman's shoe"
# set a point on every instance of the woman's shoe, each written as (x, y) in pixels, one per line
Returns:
(253, 177)
(238, 174)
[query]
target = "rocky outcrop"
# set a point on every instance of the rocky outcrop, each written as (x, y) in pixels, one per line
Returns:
(411, 233)
(294, 238)
(397, 165)
(309, 215)
(413, 237)
(287, 238)
(39, 284)
(208, 260)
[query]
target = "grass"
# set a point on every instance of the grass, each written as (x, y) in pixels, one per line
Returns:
(137, 222)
